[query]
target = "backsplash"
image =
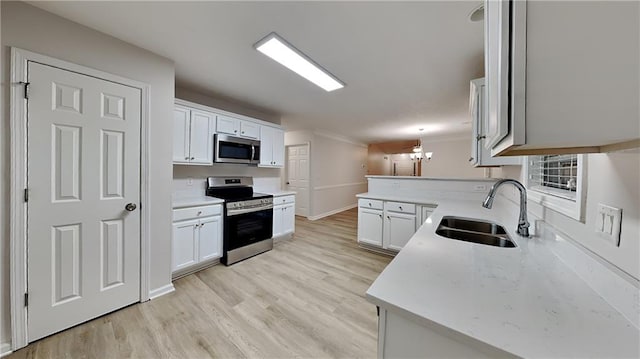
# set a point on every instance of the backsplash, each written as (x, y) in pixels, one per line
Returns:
(264, 179)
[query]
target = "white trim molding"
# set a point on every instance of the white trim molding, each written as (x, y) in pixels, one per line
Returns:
(327, 214)
(18, 180)
(5, 349)
(158, 292)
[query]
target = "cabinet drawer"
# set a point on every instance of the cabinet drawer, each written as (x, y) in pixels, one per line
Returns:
(196, 212)
(283, 200)
(400, 207)
(369, 203)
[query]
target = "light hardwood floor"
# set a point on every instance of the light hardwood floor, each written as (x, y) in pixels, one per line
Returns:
(303, 299)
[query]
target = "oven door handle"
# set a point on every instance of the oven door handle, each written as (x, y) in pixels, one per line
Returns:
(235, 212)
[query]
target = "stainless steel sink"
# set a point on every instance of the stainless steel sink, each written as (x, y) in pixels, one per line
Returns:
(475, 231)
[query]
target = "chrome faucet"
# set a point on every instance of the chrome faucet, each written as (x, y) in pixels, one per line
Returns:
(523, 223)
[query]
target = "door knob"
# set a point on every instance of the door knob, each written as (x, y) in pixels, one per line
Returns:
(130, 207)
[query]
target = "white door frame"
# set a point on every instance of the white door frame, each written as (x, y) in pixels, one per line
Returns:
(18, 182)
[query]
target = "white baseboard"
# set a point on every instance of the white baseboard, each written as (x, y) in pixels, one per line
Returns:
(161, 291)
(327, 214)
(5, 349)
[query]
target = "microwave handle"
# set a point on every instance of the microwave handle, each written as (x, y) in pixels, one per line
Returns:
(253, 152)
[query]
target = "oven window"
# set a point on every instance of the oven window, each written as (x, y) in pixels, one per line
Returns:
(234, 150)
(244, 229)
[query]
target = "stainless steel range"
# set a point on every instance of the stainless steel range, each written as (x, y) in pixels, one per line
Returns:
(248, 217)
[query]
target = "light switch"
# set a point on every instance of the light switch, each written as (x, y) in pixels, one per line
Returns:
(608, 223)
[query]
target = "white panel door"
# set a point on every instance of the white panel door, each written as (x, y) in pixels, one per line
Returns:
(185, 244)
(201, 138)
(398, 229)
(83, 171)
(181, 134)
(298, 176)
(370, 226)
(210, 238)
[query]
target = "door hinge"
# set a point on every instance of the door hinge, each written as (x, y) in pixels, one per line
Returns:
(26, 89)
(26, 195)
(26, 299)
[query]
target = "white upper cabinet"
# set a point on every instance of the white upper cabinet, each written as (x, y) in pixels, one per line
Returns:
(249, 129)
(201, 143)
(181, 121)
(228, 125)
(271, 147)
(480, 155)
(192, 136)
(561, 77)
(237, 127)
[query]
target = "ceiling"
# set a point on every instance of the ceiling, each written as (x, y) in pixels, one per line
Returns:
(407, 65)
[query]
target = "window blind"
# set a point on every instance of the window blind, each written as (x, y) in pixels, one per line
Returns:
(554, 174)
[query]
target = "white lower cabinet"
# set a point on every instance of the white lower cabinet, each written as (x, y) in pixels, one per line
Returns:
(398, 229)
(370, 226)
(284, 211)
(197, 236)
(388, 224)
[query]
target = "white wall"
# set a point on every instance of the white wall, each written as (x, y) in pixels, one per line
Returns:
(33, 29)
(612, 179)
(338, 167)
(450, 159)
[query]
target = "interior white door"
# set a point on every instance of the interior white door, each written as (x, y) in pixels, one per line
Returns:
(298, 176)
(83, 172)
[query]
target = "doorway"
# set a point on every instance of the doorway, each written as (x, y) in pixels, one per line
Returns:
(297, 176)
(77, 235)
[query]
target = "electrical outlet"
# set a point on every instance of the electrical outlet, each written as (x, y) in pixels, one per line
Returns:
(608, 223)
(189, 181)
(479, 188)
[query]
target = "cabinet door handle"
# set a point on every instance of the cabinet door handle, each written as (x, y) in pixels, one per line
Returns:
(199, 213)
(380, 215)
(369, 204)
(193, 158)
(400, 207)
(195, 225)
(235, 131)
(186, 158)
(389, 218)
(201, 224)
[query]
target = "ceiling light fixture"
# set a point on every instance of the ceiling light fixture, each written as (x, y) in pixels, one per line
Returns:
(281, 51)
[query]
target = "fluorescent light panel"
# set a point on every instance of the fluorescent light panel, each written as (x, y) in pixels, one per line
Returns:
(280, 50)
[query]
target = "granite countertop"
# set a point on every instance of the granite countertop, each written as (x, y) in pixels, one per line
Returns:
(523, 300)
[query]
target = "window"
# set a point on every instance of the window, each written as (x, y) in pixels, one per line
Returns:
(556, 182)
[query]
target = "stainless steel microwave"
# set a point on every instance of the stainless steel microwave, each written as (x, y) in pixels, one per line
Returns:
(229, 149)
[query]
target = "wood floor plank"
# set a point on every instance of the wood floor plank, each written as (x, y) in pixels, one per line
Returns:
(303, 299)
